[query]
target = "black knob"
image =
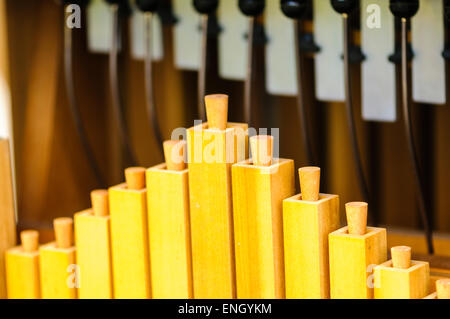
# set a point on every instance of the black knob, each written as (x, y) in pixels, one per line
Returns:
(252, 7)
(447, 10)
(123, 6)
(147, 5)
(344, 6)
(293, 9)
(404, 8)
(78, 2)
(206, 6)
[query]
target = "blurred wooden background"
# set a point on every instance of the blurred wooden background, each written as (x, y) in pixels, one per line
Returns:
(53, 176)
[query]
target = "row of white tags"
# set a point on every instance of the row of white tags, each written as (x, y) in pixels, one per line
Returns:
(377, 43)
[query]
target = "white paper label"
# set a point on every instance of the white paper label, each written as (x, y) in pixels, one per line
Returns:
(99, 26)
(137, 38)
(378, 73)
(187, 35)
(329, 67)
(428, 67)
(232, 43)
(281, 78)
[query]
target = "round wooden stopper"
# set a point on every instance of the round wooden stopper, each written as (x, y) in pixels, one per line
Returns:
(401, 257)
(30, 240)
(443, 288)
(63, 232)
(135, 178)
(309, 182)
(100, 202)
(356, 217)
(262, 150)
(217, 111)
(174, 154)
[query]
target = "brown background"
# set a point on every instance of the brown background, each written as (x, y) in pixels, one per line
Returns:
(53, 175)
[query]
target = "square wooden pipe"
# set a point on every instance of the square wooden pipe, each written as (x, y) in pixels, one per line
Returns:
(57, 263)
(258, 193)
(354, 251)
(92, 239)
(308, 219)
(212, 148)
(401, 277)
(22, 267)
(169, 232)
(129, 237)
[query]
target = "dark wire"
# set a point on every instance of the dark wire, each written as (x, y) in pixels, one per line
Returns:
(350, 116)
(202, 71)
(73, 105)
(249, 76)
(418, 181)
(114, 86)
(149, 92)
(300, 98)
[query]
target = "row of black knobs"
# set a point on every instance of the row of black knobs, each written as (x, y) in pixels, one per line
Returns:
(399, 8)
(296, 8)
(291, 8)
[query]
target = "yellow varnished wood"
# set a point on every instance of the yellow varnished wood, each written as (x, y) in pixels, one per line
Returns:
(352, 258)
(7, 218)
(57, 272)
(92, 239)
(444, 275)
(416, 240)
(169, 233)
(129, 243)
(394, 283)
(307, 225)
(211, 154)
(431, 296)
(22, 274)
(258, 193)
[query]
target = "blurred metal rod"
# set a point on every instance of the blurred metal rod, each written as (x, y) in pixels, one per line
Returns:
(249, 75)
(350, 115)
(418, 181)
(149, 89)
(73, 105)
(306, 138)
(203, 66)
(114, 86)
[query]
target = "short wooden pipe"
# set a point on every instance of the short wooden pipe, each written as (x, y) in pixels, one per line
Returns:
(443, 288)
(63, 232)
(401, 257)
(262, 150)
(174, 153)
(135, 178)
(309, 183)
(30, 240)
(217, 111)
(356, 217)
(100, 202)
